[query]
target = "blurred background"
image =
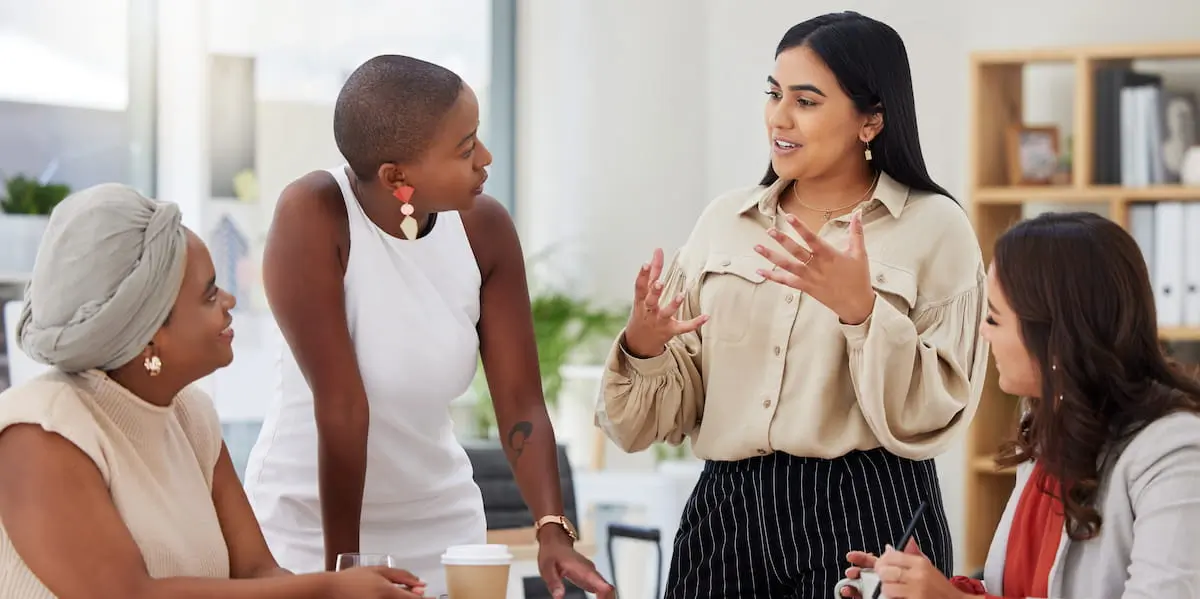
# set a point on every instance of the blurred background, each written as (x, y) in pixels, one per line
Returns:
(613, 123)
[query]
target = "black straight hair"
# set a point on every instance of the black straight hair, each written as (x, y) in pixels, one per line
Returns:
(871, 65)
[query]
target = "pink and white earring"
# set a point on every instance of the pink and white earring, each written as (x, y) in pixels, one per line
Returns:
(408, 226)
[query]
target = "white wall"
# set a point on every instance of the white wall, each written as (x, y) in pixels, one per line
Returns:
(632, 115)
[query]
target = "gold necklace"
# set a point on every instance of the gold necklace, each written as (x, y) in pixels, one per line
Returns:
(827, 214)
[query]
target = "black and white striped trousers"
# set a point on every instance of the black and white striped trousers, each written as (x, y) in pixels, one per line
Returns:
(780, 525)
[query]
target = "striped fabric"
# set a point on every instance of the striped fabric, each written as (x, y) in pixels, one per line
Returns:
(780, 526)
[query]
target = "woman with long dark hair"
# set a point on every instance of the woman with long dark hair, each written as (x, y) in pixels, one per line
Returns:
(1107, 499)
(816, 337)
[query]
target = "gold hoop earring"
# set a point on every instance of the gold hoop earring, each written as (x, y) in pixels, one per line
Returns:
(153, 365)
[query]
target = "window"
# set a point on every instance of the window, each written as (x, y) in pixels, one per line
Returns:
(70, 101)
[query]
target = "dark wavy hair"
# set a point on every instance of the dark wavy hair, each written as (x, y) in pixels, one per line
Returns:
(1081, 290)
(871, 65)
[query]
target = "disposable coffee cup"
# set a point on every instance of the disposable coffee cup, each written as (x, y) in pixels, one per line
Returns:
(477, 571)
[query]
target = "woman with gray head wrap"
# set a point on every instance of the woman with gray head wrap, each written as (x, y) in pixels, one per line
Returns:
(114, 479)
(106, 277)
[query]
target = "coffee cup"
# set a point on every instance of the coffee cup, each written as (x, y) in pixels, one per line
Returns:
(477, 571)
(865, 584)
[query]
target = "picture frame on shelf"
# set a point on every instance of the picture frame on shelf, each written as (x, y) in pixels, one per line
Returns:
(1033, 155)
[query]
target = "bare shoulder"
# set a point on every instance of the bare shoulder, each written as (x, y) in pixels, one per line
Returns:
(314, 200)
(491, 233)
(46, 425)
(487, 212)
(29, 448)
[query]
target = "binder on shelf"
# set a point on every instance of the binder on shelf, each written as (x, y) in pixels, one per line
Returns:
(1142, 228)
(1191, 265)
(1169, 263)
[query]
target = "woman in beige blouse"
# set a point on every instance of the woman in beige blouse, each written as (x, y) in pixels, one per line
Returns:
(114, 480)
(816, 337)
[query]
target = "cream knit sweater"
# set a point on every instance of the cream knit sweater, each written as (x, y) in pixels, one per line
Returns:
(157, 461)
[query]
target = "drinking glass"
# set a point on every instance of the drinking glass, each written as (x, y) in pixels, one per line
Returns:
(360, 560)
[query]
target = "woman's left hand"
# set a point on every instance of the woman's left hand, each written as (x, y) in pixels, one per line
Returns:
(841, 280)
(558, 560)
(910, 575)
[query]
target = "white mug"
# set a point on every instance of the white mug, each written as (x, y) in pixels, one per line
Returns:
(865, 584)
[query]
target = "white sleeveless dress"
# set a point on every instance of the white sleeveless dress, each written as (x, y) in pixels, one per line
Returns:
(412, 308)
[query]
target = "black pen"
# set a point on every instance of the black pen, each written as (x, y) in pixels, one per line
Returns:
(905, 538)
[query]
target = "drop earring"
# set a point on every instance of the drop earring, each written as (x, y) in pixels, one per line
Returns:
(867, 150)
(153, 365)
(408, 226)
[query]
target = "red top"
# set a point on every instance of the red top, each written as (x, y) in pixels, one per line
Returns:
(1033, 541)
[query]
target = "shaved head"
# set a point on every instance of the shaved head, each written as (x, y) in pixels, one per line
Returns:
(389, 110)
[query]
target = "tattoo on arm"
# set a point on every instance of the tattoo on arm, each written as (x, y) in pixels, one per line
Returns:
(518, 435)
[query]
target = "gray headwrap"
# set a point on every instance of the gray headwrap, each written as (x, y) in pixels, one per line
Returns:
(107, 273)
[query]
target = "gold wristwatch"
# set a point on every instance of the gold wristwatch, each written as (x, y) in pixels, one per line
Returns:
(559, 520)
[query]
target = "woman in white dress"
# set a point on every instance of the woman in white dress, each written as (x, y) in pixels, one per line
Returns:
(389, 277)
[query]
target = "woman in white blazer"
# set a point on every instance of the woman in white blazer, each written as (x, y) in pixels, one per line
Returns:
(1107, 500)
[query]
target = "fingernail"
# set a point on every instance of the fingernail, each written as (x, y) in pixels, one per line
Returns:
(658, 286)
(679, 297)
(758, 248)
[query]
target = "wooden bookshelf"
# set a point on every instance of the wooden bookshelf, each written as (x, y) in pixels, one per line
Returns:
(997, 93)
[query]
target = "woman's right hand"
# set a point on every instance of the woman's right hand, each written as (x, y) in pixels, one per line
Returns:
(375, 582)
(651, 325)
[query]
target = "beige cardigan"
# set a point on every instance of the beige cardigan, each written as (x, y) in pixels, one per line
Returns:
(1149, 541)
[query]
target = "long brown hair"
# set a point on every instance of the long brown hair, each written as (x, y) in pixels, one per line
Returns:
(1081, 290)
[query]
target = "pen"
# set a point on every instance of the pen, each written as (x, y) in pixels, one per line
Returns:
(904, 538)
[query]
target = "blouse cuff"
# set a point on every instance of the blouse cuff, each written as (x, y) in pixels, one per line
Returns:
(883, 314)
(647, 367)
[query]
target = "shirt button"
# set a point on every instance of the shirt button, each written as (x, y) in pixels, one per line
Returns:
(766, 403)
(879, 278)
(762, 452)
(776, 350)
(725, 263)
(789, 298)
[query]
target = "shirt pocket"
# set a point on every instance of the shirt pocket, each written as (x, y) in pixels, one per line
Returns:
(729, 287)
(896, 285)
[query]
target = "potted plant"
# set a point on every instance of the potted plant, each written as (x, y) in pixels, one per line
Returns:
(567, 330)
(26, 207)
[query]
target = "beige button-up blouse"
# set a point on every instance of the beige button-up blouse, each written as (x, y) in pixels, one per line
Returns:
(775, 370)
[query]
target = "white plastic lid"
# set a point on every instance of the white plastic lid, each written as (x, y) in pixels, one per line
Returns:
(477, 555)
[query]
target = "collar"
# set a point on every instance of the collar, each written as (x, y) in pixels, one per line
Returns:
(889, 192)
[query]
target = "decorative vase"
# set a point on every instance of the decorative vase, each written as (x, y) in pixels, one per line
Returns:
(1189, 169)
(22, 234)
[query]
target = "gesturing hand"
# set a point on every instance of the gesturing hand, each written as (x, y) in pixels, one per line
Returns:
(650, 325)
(841, 280)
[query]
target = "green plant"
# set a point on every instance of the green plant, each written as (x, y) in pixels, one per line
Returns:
(26, 195)
(564, 328)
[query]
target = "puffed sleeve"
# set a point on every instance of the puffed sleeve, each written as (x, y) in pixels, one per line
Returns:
(660, 398)
(917, 377)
